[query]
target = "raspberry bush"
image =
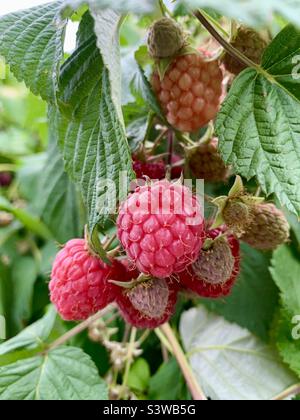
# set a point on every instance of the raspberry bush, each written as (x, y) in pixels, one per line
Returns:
(150, 201)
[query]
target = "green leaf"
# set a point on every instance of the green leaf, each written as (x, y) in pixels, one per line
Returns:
(28, 176)
(31, 222)
(141, 87)
(286, 274)
(23, 277)
(259, 132)
(57, 200)
(136, 6)
(168, 383)
(31, 41)
(66, 373)
(91, 131)
(15, 142)
(254, 299)
(253, 12)
(139, 375)
(33, 336)
(229, 362)
(281, 60)
(135, 85)
(136, 132)
(258, 126)
(286, 334)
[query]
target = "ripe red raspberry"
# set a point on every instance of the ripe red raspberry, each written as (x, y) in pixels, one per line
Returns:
(215, 272)
(268, 228)
(190, 92)
(177, 168)
(148, 304)
(79, 284)
(248, 42)
(5, 179)
(206, 163)
(161, 228)
(155, 171)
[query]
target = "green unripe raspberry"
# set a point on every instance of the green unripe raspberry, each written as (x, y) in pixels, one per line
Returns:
(269, 228)
(165, 39)
(248, 42)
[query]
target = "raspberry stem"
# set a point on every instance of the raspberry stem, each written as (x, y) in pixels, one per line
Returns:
(129, 357)
(171, 146)
(191, 381)
(229, 48)
(79, 328)
(290, 392)
(164, 10)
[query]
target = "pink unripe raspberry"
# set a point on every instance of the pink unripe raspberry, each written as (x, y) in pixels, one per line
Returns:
(206, 280)
(190, 92)
(161, 228)
(79, 284)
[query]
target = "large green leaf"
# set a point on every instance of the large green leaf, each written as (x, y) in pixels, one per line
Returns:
(57, 200)
(136, 6)
(66, 373)
(23, 277)
(33, 336)
(288, 344)
(92, 134)
(252, 12)
(31, 41)
(281, 59)
(231, 363)
(254, 299)
(259, 127)
(30, 221)
(286, 274)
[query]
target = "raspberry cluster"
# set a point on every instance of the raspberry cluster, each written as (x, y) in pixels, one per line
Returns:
(166, 248)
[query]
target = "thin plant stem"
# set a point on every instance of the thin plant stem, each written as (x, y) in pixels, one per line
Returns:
(227, 47)
(258, 192)
(109, 242)
(79, 328)
(129, 356)
(191, 381)
(290, 392)
(160, 335)
(159, 139)
(165, 353)
(126, 333)
(143, 337)
(164, 10)
(215, 23)
(171, 147)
